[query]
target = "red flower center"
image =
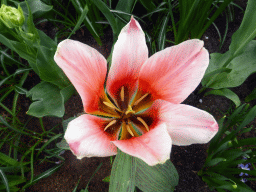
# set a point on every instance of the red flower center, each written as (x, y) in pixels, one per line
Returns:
(128, 119)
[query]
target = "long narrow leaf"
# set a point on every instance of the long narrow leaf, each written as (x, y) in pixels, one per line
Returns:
(80, 20)
(43, 175)
(5, 180)
(122, 177)
(109, 16)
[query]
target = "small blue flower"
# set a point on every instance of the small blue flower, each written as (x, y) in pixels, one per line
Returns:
(241, 174)
(243, 180)
(244, 167)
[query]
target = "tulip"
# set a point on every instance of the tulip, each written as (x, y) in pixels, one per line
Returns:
(139, 112)
(11, 17)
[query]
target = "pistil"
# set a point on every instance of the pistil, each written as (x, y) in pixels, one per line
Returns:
(129, 110)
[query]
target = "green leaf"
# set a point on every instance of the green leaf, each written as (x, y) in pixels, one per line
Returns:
(109, 16)
(106, 179)
(2, 120)
(46, 41)
(214, 161)
(246, 31)
(149, 5)
(19, 48)
(160, 178)
(248, 118)
(239, 72)
(89, 23)
(47, 143)
(244, 142)
(208, 76)
(162, 33)
(38, 8)
(48, 100)
(80, 20)
(240, 57)
(226, 93)
(20, 90)
(43, 175)
(231, 154)
(251, 96)
(13, 180)
(48, 69)
(123, 171)
(5, 180)
(126, 7)
(18, 71)
(63, 145)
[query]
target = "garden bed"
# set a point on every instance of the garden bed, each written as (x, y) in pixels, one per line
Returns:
(188, 160)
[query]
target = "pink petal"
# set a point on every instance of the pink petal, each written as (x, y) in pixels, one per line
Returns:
(173, 73)
(130, 52)
(152, 147)
(186, 124)
(86, 137)
(86, 68)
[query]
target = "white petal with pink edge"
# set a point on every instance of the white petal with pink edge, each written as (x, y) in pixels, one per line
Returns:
(186, 124)
(153, 147)
(86, 138)
(130, 52)
(86, 68)
(173, 73)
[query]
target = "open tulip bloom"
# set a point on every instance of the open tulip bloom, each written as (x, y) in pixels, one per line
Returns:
(139, 112)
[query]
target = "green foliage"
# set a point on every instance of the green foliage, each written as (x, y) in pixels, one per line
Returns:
(24, 154)
(123, 173)
(11, 17)
(128, 172)
(226, 151)
(232, 68)
(49, 100)
(196, 16)
(38, 49)
(227, 93)
(251, 96)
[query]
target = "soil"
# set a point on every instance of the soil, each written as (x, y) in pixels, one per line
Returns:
(188, 160)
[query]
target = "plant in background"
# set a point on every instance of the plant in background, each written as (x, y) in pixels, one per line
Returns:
(38, 49)
(11, 17)
(141, 115)
(228, 154)
(232, 68)
(128, 119)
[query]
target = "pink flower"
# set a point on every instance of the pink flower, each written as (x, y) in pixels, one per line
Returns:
(140, 111)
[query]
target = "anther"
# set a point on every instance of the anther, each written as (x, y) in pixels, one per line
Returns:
(122, 94)
(111, 106)
(129, 130)
(140, 99)
(143, 122)
(110, 123)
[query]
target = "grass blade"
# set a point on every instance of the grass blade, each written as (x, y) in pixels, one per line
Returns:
(5, 180)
